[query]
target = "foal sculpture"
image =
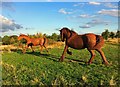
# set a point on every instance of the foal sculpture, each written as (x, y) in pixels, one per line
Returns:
(34, 42)
(90, 41)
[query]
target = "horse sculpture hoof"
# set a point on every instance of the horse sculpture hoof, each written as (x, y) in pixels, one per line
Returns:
(23, 52)
(32, 52)
(88, 63)
(60, 60)
(70, 53)
(106, 63)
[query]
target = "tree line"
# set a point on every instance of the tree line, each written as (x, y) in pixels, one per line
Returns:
(6, 40)
(106, 34)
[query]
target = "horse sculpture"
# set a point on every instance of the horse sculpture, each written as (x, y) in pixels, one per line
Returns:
(90, 41)
(33, 42)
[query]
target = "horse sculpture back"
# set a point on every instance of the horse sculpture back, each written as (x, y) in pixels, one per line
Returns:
(90, 41)
(33, 42)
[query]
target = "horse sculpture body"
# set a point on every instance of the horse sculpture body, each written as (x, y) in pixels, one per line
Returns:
(90, 41)
(33, 42)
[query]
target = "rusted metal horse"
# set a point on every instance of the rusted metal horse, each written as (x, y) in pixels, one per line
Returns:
(90, 41)
(33, 42)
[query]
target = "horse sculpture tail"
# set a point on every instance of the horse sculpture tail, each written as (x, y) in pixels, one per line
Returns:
(45, 41)
(99, 41)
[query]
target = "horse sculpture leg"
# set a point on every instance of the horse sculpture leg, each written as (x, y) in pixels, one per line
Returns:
(32, 49)
(92, 56)
(24, 51)
(41, 48)
(70, 53)
(103, 56)
(63, 54)
(46, 49)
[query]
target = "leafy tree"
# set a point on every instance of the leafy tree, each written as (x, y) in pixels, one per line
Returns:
(117, 34)
(6, 40)
(112, 35)
(38, 35)
(0, 39)
(13, 39)
(105, 34)
(45, 35)
(54, 36)
(31, 36)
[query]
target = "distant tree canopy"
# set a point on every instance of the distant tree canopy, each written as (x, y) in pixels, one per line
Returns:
(6, 40)
(117, 34)
(0, 39)
(112, 35)
(37, 35)
(13, 39)
(106, 34)
(54, 36)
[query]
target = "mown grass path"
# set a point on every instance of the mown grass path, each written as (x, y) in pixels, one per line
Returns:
(45, 69)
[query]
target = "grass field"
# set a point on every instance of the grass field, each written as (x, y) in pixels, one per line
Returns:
(45, 69)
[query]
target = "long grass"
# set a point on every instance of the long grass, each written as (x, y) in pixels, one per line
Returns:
(45, 69)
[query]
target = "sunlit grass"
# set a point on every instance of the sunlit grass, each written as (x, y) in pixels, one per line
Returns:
(45, 69)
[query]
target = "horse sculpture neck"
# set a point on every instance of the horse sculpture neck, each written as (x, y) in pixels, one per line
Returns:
(72, 33)
(22, 36)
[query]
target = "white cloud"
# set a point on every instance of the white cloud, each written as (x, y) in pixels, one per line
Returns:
(98, 22)
(94, 3)
(85, 26)
(112, 12)
(110, 5)
(63, 11)
(79, 4)
(49, 0)
(8, 6)
(86, 16)
(94, 23)
(8, 24)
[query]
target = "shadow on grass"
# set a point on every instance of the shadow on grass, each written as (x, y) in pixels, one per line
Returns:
(81, 62)
(47, 55)
(54, 58)
(17, 50)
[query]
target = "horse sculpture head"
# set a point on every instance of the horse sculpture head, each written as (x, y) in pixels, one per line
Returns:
(65, 33)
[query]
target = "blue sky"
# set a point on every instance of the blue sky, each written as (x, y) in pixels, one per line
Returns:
(46, 17)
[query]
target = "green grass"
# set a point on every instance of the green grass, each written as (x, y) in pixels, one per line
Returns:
(45, 69)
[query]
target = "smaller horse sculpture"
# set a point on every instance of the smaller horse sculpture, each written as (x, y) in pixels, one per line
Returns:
(90, 41)
(34, 42)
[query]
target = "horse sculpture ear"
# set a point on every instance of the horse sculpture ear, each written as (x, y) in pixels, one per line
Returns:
(20, 33)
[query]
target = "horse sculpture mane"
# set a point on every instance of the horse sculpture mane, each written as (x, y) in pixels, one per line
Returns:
(67, 33)
(72, 31)
(23, 35)
(90, 41)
